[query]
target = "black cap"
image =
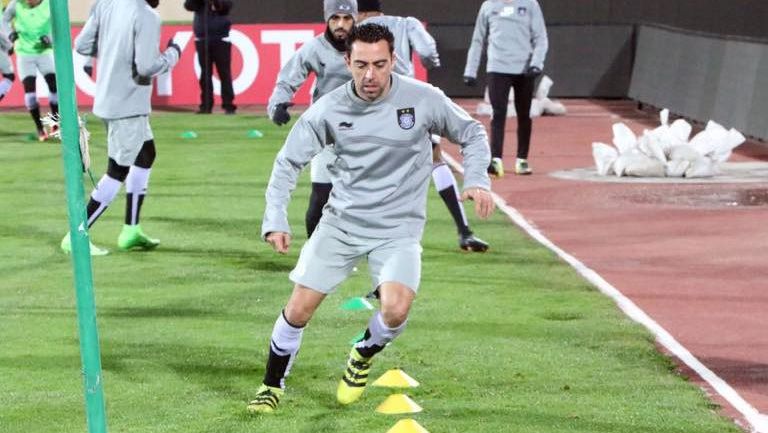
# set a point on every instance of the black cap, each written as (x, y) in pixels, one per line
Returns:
(369, 5)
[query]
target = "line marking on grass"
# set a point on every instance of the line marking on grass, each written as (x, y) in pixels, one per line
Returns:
(758, 421)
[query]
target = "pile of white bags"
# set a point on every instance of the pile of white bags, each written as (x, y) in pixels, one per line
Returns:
(666, 150)
(540, 105)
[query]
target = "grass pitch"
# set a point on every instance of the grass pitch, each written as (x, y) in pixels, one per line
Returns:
(508, 341)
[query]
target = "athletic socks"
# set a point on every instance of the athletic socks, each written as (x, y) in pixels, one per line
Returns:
(377, 336)
(35, 113)
(135, 189)
(283, 347)
(446, 186)
(101, 197)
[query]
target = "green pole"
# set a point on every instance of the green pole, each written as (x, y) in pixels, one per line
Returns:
(81, 256)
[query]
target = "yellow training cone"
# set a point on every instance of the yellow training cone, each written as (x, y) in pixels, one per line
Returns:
(396, 378)
(407, 426)
(398, 403)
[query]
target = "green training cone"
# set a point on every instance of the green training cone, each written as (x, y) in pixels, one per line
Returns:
(189, 134)
(255, 133)
(354, 304)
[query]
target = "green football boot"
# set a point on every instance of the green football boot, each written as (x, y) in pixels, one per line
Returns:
(133, 237)
(66, 246)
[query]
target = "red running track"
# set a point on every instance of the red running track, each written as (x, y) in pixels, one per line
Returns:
(694, 262)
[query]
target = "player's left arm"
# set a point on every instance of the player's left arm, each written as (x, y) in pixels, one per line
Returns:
(539, 39)
(423, 43)
(8, 15)
(148, 60)
(455, 124)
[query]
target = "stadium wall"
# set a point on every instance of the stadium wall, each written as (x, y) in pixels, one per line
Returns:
(703, 77)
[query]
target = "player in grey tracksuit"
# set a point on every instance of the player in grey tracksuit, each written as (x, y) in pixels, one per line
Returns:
(517, 46)
(377, 128)
(124, 36)
(323, 55)
(410, 36)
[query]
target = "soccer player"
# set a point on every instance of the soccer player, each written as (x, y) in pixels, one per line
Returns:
(376, 128)
(410, 35)
(323, 55)
(6, 66)
(517, 46)
(124, 36)
(30, 24)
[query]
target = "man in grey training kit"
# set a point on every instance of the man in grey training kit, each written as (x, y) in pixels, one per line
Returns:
(323, 55)
(517, 46)
(124, 36)
(377, 128)
(411, 36)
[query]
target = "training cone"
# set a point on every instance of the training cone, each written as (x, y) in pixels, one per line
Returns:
(407, 426)
(255, 133)
(189, 134)
(359, 337)
(396, 378)
(354, 304)
(398, 403)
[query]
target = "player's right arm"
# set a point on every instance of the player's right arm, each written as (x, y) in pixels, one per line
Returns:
(475, 51)
(87, 41)
(292, 75)
(304, 141)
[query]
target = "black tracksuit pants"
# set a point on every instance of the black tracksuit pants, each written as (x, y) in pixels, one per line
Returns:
(498, 91)
(219, 53)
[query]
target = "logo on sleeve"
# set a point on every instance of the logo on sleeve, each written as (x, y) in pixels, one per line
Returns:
(346, 126)
(522, 11)
(406, 117)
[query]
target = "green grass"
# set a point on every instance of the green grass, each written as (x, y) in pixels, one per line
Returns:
(509, 341)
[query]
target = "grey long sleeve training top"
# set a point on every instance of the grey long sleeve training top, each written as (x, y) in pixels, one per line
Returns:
(124, 35)
(318, 56)
(383, 157)
(516, 34)
(410, 35)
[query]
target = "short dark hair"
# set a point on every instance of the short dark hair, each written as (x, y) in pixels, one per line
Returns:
(370, 33)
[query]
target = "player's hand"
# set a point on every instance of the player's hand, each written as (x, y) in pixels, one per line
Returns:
(45, 41)
(174, 45)
(88, 70)
(13, 36)
(280, 241)
(533, 72)
(281, 116)
(470, 81)
(483, 201)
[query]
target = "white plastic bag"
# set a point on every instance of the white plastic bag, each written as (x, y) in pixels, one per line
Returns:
(604, 156)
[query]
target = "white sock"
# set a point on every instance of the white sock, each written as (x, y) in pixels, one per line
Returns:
(104, 193)
(285, 343)
(136, 188)
(377, 336)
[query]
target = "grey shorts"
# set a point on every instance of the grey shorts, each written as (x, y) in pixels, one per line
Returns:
(30, 65)
(125, 137)
(6, 66)
(328, 257)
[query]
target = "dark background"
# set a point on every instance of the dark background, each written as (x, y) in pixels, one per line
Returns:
(592, 42)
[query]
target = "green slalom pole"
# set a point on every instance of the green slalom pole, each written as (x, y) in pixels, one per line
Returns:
(81, 256)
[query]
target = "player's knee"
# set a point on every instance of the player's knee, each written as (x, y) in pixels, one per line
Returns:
(297, 315)
(116, 171)
(29, 84)
(394, 316)
(147, 154)
(50, 80)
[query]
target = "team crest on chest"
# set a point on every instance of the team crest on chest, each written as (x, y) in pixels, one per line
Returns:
(406, 117)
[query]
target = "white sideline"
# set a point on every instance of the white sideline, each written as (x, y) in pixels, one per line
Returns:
(758, 422)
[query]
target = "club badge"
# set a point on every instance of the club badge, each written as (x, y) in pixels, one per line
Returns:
(406, 117)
